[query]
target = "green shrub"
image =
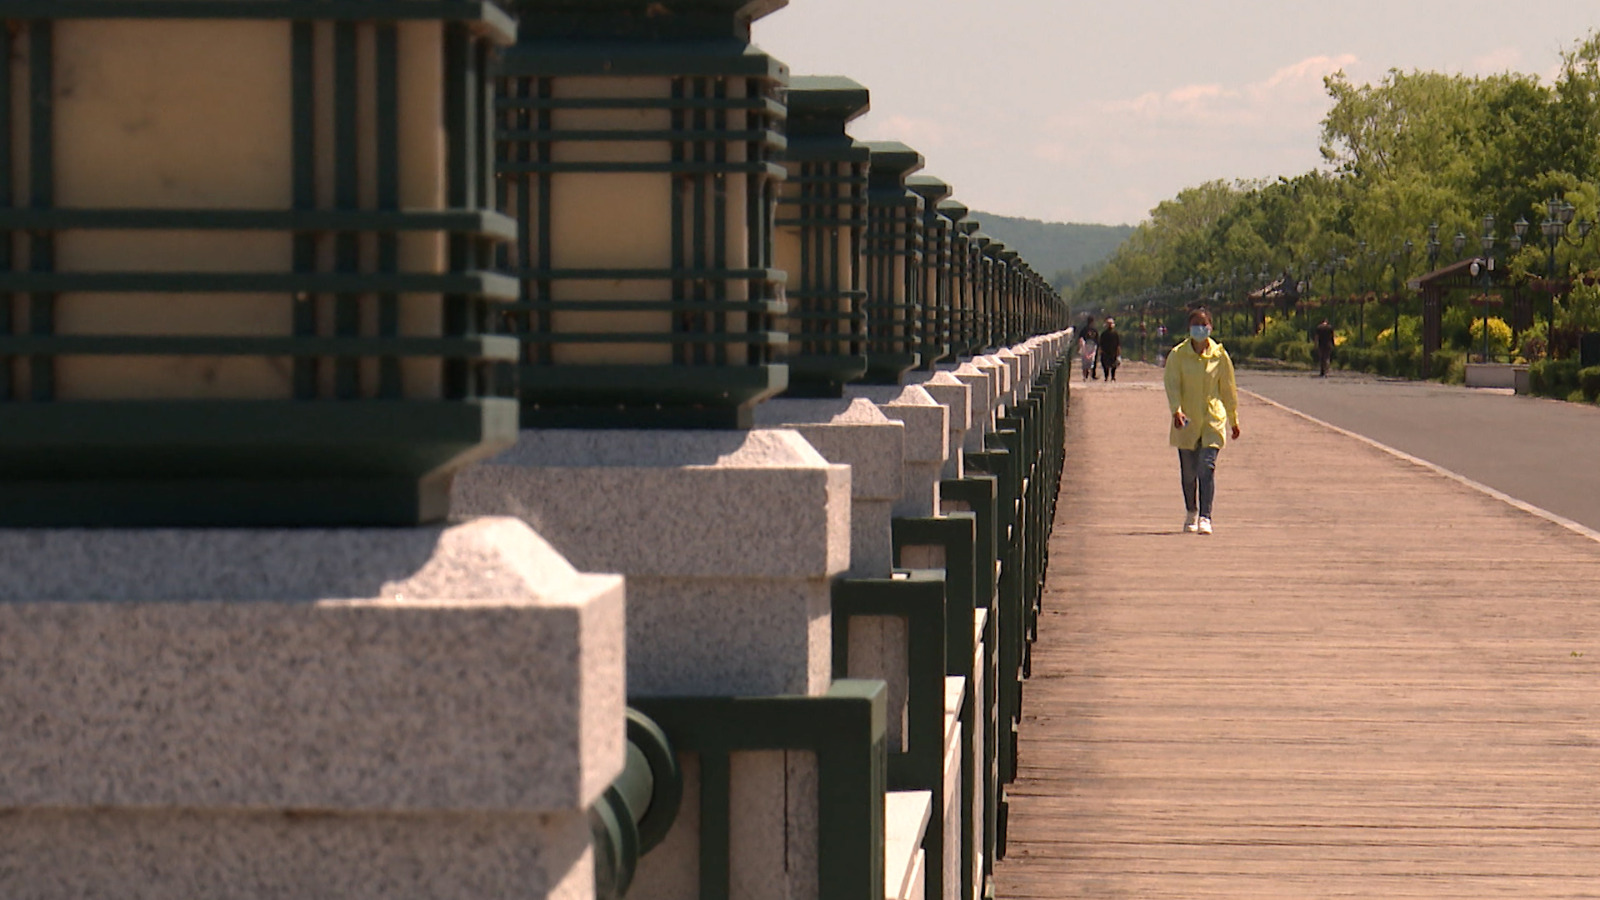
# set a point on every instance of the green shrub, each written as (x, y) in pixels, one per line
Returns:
(1302, 352)
(1575, 397)
(1408, 362)
(1457, 372)
(1410, 334)
(1277, 331)
(1554, 378)
(1589, 383)
(1353, 358)
(1455, 326)
(1382, 362)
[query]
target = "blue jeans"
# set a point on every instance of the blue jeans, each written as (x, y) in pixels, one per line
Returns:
(1199, 478)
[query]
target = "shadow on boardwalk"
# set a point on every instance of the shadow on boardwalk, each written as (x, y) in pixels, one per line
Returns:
(1370, 682)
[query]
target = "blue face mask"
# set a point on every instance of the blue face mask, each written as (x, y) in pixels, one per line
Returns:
(1199, 332)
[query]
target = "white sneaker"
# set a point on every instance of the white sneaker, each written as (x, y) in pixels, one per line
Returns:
(1205, 525)
(1191, 523)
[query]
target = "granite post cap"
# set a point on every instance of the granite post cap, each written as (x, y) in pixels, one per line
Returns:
(825, 103)
(649, 20)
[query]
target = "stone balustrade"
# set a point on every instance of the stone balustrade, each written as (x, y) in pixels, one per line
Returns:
(826, 578)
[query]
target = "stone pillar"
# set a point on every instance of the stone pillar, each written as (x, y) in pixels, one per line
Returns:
(854, 433)
(956, 396)
(247, 714)
(927, 435)
(730, 541)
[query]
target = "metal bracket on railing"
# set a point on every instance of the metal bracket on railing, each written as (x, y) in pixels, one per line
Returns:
(635, 813)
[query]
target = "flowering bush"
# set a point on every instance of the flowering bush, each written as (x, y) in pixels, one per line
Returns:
(1499, 335)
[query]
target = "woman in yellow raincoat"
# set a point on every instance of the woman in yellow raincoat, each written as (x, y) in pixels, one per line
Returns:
(1204, 400)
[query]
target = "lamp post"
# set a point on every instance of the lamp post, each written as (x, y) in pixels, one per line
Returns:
(1485, 267)
(1335, 263)
(1363, 262)
(1394, 284)
(1558, 216)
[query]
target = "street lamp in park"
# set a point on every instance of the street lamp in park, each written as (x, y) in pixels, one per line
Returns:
(1363, 270)
(1558, 217)
(1335, 263)
(1395, 259)
(1485, 267)
(1459, 243)
(1433, 246)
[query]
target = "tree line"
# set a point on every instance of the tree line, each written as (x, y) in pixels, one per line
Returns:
(1414, 149)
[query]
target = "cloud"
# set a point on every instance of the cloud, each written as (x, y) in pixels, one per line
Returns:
(1297, 88)
(1190, 133)
(1302, 77)
(1496, 61)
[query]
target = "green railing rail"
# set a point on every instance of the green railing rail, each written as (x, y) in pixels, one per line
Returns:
(845, 728)
(956, 538)
(918, 597)
(978, 494)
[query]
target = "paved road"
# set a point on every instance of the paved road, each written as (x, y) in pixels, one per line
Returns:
(1543, 452)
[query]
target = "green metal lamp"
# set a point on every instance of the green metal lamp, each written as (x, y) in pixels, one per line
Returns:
(894, 263)
(972, 272)
(960, 253)
(267, 305)
(983, 273)
(997, 283)
(639, 151)
(821, 229)
(1010, 330)
(935, 344)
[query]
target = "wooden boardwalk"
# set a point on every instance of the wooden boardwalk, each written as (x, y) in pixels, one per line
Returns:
(1371, 682)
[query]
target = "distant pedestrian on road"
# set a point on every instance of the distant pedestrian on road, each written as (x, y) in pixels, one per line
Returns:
(1324, 346)
(1110, 349)
(1204, 399)
(1088, 346)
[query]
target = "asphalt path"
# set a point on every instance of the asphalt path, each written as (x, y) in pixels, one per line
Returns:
(1543, 452)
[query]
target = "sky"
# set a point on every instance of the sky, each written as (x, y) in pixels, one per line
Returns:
(1073, 111)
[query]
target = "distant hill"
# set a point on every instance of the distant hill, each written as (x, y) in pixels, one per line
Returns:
(1060, 251)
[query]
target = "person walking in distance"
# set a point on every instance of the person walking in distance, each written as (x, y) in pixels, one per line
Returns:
(1110, 349)
(1203, 398)
(1324, 346)
(1088, 346)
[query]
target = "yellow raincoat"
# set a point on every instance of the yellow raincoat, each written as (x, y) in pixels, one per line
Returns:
(1202, 385)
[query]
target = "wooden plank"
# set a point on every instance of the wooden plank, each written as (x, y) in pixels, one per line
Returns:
(1370, 682)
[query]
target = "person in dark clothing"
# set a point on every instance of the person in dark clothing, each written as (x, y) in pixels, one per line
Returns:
(1110, 349)
(1324, 346)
